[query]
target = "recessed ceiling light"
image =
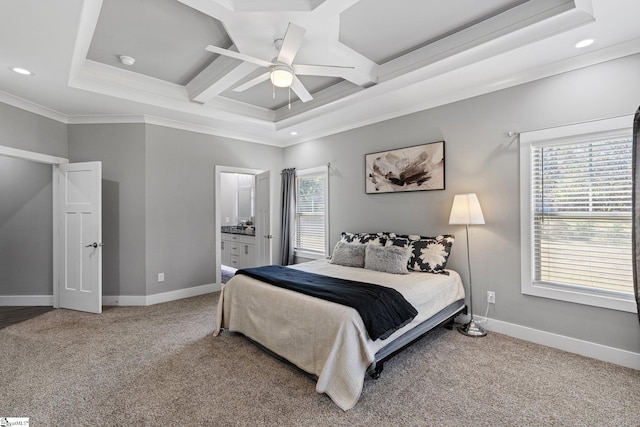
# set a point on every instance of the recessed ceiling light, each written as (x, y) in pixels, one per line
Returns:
(584, 43)
(22, 71)
(293, 132)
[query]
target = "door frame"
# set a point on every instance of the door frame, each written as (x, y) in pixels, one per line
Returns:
(217, 220)
(54, 161)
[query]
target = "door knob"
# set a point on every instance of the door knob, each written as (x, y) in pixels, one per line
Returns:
(94, 245)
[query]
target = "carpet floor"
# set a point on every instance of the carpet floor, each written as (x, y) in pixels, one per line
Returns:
(14, 314)
(160, 365)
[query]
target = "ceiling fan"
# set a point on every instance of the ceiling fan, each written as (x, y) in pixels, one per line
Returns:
(282, 71)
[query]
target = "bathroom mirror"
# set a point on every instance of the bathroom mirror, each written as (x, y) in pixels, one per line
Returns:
(237, 193)
(245, 203)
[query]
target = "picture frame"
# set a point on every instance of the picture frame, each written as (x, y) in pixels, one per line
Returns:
(415, 168)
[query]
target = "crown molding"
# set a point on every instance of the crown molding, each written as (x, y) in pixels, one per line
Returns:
(40, 110)
(32, 107)
(174, 124)
(207, 130)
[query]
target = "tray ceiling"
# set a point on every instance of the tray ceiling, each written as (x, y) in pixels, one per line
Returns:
(167, 39)
(418, 46)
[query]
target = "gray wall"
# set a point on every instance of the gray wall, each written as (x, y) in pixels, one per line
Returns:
(158, 201)
(28, 131)
(121, 149)
(26, 215)
(180, 226)
(481, 158)
(26, 228)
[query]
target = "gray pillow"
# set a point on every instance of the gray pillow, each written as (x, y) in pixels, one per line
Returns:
(389, 259)
(348, 254)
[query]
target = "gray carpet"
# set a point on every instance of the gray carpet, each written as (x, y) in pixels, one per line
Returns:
(160, 365)
(16, 314)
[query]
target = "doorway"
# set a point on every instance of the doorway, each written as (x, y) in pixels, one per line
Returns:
(26, 228)
(242, 220)
(26, 240)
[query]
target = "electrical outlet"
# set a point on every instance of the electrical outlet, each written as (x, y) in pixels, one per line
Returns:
(491, 297)
(160, 277)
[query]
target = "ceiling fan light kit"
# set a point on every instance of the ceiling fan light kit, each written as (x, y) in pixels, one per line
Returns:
(281, 75)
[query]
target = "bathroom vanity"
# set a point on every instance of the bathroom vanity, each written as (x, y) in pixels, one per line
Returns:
(238, 247)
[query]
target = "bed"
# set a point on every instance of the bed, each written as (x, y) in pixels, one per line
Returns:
(329, 340)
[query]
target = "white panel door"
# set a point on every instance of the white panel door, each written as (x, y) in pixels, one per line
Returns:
(263, 219)
(78, 204)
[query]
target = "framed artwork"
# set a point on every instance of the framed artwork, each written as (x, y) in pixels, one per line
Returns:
(416, 168)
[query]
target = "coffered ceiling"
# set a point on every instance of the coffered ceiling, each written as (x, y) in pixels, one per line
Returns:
(393, 58)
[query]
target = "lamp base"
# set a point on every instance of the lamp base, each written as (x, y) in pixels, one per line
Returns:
(472, 329)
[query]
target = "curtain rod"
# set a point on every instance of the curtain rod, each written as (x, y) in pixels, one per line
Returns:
(516, 133)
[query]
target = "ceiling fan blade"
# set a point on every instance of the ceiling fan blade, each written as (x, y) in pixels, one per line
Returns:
(251, 83)
(238, 55)
(291, 43)
(298, 88)
(322, 70)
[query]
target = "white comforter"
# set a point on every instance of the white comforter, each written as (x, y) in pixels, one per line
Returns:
(326, 339)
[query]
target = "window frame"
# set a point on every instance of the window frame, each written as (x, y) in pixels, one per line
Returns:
(302, 252)
(581, 132)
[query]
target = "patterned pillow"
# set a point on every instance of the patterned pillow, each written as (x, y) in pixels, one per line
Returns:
(377, 239)
(348, 254)
(428, 254)
(388, 259)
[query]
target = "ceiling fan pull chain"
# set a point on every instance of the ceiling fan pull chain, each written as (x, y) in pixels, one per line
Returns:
(289, 97)
(274, 90)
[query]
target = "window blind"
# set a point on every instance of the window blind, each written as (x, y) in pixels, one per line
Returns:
(581, 197)
(310, 212)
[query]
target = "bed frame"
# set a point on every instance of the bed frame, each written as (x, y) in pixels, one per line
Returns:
(444, 317)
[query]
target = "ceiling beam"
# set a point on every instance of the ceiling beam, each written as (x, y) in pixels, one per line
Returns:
(217, 77)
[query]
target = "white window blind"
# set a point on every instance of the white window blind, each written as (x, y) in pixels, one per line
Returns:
(311, 211)
(581, 215)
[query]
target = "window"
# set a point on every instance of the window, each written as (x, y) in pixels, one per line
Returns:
(312, 196)
(576, 213)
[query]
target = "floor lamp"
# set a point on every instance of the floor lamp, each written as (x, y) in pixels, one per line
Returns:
(466, 210)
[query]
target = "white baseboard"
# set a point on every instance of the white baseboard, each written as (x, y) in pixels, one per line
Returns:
(182, 293)
(120, 300)
(26, 300)
(125, 300)
(584, 348)
(132, 300)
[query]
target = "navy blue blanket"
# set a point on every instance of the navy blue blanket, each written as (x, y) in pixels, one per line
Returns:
(383, 310)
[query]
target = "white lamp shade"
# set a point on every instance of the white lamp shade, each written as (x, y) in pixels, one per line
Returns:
(281, 76)
(466, 210)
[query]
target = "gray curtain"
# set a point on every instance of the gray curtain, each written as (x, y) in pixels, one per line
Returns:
(636, 209)
(288, 216)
